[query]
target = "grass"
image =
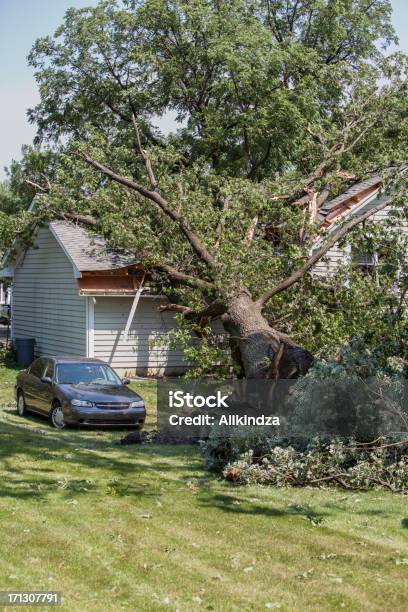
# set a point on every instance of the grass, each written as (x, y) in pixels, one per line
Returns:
(145, 528)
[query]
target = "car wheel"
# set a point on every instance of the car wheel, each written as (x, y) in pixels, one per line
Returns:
(57, 416)
(21, 405)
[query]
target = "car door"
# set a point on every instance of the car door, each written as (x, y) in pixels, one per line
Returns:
(45, 390)
(33, 384)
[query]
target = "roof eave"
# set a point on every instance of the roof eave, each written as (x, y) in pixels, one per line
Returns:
(348, 213)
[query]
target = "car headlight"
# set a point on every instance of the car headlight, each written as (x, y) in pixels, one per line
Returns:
(137, 404)
(81, 403)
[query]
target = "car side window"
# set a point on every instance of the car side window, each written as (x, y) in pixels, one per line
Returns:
(37, 368)
(49, 370)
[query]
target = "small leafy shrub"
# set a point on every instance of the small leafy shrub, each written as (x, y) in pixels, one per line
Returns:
(8, 356)
(338, 463)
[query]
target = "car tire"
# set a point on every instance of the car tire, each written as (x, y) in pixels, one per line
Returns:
(56, 416)
(21, 405)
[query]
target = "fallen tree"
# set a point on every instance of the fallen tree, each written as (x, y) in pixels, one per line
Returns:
(281, 105)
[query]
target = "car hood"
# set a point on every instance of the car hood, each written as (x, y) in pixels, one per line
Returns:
(99, 393)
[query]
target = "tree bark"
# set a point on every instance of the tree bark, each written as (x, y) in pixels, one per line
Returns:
(256, 346)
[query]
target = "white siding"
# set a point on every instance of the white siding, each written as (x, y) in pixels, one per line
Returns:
(135, 354)
(46, 304)
(337, 256)
(334, 258)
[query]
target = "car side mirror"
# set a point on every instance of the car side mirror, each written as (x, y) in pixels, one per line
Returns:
(125, 381)
(46, 379)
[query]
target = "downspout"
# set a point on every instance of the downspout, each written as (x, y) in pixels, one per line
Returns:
(133, 310)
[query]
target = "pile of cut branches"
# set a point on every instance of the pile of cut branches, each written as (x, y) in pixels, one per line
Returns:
(338, 463)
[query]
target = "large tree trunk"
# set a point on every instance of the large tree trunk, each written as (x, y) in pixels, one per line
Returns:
(257, 347)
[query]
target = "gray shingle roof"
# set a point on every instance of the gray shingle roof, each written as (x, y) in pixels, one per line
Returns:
(89, 251)
(354, 190)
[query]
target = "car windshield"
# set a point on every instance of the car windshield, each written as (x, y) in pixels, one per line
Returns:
(86, 374)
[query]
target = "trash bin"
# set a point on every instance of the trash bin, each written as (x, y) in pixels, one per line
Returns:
(25, 350)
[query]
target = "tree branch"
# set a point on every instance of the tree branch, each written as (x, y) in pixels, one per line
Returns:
(214, 309)
(249, 234)
(344, 144)
(145, 155)
(84, 219)
(175, 308)
(182, 278)
(220, 227)
(299, 274)
(162, 203)
(37, 186)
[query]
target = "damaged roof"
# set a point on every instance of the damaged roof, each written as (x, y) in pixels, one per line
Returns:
(87, 250)
(335, 208)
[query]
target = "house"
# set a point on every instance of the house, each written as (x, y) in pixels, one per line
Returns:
(358, 199)
(76, 296)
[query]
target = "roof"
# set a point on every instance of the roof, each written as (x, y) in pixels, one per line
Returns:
(89, 251)
(337, 207)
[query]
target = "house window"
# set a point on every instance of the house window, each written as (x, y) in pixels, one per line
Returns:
(367, 263)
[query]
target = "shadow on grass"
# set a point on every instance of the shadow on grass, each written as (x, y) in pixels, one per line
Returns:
(349, 504)
(235, 505)
(42, 421)
(118, 470)
(404, 523)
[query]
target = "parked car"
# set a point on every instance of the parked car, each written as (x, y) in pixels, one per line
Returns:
(78, 391)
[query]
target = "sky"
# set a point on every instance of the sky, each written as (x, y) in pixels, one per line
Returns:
(21, 22)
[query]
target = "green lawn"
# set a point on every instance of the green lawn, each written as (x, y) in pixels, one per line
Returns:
(145, 528)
